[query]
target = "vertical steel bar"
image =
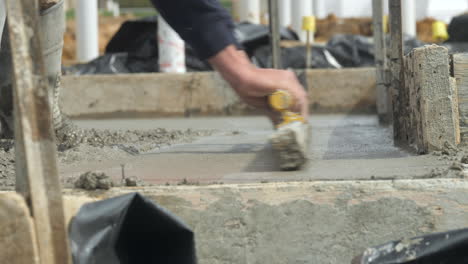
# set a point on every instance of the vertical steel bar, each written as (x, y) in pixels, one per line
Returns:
(275, 34)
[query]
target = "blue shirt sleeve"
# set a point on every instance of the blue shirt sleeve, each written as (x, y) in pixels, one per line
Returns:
(203, 24)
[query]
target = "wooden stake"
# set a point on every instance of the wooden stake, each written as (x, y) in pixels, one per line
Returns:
(460, 71)
(400, 99)
(380, 49)
(36, 165)
(308, 50)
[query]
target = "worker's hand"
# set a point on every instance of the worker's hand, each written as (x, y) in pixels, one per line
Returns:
(253, 85)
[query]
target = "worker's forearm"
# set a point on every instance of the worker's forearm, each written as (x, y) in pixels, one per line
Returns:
(233, 65)
(252, 84)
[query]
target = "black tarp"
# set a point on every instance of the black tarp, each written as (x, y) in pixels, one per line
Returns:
(134, 48)
(130, 229)
(458, 29)
(441, 248)
(294, 57)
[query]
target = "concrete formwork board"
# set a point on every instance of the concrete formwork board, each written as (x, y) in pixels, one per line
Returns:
(433, 119)
(315, 222)
(348, 90)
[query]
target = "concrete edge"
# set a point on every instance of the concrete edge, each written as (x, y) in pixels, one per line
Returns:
(397, 184)
(244, 223)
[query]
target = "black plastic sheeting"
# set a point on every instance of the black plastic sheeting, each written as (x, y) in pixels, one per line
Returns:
(134, 48)
(440, 248)
(458, 29)
(341, 51)
(252, 36)
(130, 229)
(295, 58)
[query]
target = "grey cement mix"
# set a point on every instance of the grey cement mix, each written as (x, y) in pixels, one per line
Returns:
(342, 147)
(235, 150)
(101, 146)
(308, 222)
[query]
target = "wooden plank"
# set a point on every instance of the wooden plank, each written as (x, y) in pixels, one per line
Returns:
(36, 166)
(380, 51)
(400, 100)
(460, 72)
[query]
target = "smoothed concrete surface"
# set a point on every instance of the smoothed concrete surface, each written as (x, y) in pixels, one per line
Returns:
(343, 148)
(308, 222)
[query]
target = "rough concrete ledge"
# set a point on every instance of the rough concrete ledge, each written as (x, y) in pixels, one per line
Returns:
(432, 118)
(16, 231)
(314, 222)
(204, 93)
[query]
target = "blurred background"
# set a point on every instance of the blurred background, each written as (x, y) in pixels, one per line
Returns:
(427, 21)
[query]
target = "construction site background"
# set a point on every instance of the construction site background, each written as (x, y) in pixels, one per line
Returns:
(326, 28)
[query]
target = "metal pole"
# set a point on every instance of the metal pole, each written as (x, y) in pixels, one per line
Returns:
(285, 13)
(309, 50)
(320, 9)
(409, 17)
(275, 35)
(300, 9)
(249, 11)
(87, 30)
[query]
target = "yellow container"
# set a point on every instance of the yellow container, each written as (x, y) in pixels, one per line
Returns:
(280, 100)
(309, 23)
(439, 31)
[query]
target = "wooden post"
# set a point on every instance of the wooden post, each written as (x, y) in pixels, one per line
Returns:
(460, 72)
(400, 101)
(433, 101)
(36, 166)
(380, 50)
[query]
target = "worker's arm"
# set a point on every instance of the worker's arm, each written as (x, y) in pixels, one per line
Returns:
(253, 84)
(208, 28)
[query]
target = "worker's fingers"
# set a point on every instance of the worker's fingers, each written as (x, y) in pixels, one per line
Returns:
(264, 82)
(295, 88)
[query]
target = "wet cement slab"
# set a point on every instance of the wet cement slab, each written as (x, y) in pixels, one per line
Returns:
(352, 147)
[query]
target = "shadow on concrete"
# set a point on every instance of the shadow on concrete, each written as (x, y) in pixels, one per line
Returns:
(265, 161)
(210, 149)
